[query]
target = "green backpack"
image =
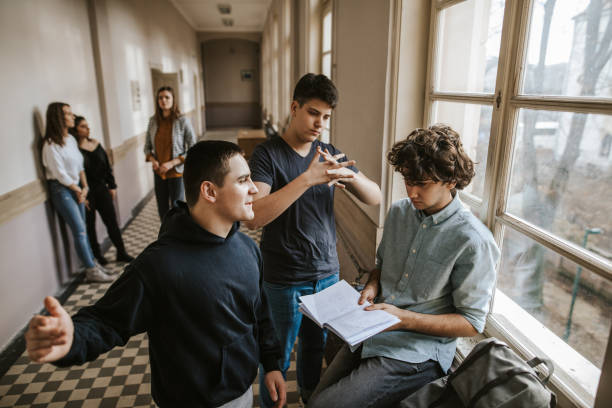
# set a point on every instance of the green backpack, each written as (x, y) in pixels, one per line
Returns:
(491, 376)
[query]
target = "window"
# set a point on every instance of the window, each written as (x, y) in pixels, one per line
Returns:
(326, 42)
(275, 62)
(528, 85)
(265, 72)
(287, 78)
(326, 53)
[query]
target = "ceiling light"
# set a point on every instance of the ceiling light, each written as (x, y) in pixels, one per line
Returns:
(224, 8)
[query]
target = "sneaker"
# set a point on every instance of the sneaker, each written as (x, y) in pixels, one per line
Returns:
(124, 257)
(106, 270)
(95, 274)
(103, 269)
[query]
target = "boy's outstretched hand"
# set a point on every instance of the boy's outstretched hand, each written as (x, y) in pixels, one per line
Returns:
(49, 338)
(275, 383)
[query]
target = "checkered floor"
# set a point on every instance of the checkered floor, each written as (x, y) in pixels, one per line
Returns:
(119, 378)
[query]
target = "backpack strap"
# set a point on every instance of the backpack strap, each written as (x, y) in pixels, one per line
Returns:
(549, 366)
(498, 381)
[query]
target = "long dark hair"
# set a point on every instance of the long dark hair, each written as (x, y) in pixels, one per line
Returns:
(54, 132)
(174, 111)
(74, 131)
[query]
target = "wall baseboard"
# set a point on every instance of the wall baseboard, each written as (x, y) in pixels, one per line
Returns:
(16, 346)
(30, 195)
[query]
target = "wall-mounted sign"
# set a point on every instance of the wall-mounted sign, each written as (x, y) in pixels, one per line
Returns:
(246, 74)
(136, 100)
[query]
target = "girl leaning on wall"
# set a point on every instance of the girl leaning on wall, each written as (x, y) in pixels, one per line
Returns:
(68, 188)
(102, 192)
(169, 136)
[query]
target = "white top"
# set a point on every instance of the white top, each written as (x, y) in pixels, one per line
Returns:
(63, 163)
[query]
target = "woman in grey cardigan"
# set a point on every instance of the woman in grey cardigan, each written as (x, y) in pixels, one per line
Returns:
(169, 136)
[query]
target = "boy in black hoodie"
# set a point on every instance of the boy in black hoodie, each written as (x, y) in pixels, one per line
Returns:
(196, 291)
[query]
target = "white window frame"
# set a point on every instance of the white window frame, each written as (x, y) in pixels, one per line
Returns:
(276, 69)
(326, 8)
(573, 379)
(286, 63)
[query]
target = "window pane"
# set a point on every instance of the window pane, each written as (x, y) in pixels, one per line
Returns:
(542, 282)
(288, 91)
(561, 178)
(468, 46)
(473, 122)
(327, 32)
(325, 135)
(274, 72)
(326, 65)
(568, 52)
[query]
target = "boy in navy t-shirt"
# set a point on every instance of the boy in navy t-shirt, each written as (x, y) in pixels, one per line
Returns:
(296, 175)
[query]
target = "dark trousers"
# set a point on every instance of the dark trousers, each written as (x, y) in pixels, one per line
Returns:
(167, 192)
(374, 382)
(100, 200)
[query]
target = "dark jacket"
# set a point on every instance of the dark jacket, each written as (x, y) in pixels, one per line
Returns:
(98, 169)
(200, 300)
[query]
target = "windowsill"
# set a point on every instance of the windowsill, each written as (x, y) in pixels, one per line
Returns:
(575, 379)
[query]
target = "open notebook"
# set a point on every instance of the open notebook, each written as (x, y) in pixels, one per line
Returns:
(336, 308)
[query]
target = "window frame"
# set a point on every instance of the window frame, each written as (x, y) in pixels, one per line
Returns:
(507, 101)
(275, 68)
(326, 8)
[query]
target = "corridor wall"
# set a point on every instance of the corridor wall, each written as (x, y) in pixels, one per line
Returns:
(97, 56)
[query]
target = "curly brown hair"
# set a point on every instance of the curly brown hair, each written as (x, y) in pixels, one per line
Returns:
(435, 154)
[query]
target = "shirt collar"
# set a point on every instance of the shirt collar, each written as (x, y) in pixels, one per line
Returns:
(448, 211)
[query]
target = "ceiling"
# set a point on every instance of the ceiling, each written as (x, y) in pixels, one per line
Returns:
(204, 15)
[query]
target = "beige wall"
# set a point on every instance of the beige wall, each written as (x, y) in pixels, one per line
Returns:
(414, 47)
(204, 36)
(85, 53)
(223, 61)
(361, 77)
(46, 56)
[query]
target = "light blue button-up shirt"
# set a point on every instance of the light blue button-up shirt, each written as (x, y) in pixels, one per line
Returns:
(442, 263)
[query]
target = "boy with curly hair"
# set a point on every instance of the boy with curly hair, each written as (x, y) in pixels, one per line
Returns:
(435, 271)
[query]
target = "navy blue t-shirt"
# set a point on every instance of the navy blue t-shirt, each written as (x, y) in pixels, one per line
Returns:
(300, 244)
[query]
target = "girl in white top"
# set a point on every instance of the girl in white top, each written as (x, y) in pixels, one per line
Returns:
(65, 164)
(68, 188)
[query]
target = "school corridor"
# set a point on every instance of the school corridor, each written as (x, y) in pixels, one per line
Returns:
(525, 83)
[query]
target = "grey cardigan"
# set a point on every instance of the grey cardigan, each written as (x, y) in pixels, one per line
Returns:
(183, 137)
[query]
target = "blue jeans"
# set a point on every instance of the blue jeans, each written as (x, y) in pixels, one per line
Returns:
(73, 214)
(167, 192)
(288, 322)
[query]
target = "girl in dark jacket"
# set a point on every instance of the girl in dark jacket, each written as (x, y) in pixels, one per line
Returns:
(103, 191)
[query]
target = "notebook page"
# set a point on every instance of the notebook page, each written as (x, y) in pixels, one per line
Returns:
(332, 302)
(360, 324)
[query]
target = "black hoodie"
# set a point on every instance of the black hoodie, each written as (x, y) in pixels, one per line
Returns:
(200, 300)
